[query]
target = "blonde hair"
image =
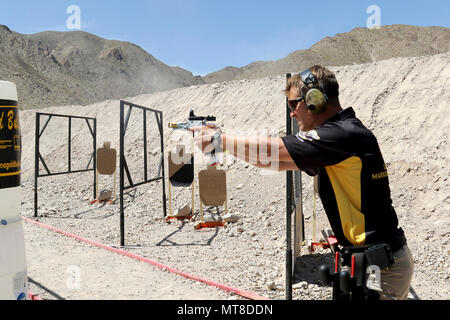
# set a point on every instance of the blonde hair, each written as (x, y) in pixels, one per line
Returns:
(326, 78)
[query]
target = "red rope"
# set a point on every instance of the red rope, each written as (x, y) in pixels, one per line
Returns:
(245, 294)
(33, 296)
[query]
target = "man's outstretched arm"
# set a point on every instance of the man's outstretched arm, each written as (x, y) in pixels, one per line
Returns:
(260, 151)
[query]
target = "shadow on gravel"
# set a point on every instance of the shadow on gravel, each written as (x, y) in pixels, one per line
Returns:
(77, 216)
(307, 267)
(47, 290)
(96, 213)
(166, 242)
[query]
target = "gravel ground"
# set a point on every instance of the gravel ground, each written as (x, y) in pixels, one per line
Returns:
(62, 268)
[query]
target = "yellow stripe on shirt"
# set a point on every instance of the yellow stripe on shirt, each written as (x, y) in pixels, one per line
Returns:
(345, 179)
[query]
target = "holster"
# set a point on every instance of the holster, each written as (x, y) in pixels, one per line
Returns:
(379, 255)
(368, 255)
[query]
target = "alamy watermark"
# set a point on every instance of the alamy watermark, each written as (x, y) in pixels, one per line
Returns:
(73, 281)
(258, 147)
(374, 278)
(74, 20)
(374, 20)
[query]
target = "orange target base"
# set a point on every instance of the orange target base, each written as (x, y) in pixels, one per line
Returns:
(209, 224)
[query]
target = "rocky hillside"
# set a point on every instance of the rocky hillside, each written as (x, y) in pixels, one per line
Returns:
(60, 68)
(360, 45)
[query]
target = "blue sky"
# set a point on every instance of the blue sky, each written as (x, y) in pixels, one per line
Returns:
(204, 36)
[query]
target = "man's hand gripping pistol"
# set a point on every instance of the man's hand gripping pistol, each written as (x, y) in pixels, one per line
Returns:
(195, 121)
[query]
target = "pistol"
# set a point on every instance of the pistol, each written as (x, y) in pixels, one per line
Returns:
(196, 121)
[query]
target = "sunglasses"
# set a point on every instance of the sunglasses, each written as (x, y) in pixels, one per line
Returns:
(294, 103)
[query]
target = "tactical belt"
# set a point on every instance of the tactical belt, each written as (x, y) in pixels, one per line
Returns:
(381, 254)
(360, 258)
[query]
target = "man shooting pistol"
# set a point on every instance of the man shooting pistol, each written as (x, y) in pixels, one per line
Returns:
(194, 122)
(334, 145)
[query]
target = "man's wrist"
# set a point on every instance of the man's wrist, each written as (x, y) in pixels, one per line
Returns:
(216, 140)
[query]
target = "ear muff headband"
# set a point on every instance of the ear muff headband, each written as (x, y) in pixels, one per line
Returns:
(315, 99)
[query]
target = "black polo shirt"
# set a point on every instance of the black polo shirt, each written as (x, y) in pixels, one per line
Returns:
(353, 180)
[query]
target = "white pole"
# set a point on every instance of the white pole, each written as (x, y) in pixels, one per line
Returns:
(13, 264)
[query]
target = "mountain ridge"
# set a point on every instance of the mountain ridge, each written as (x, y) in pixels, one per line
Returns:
(360, 45)
(58, 68)
(54, 68)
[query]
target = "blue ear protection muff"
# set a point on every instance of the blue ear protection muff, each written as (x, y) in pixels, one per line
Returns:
(315, 99)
